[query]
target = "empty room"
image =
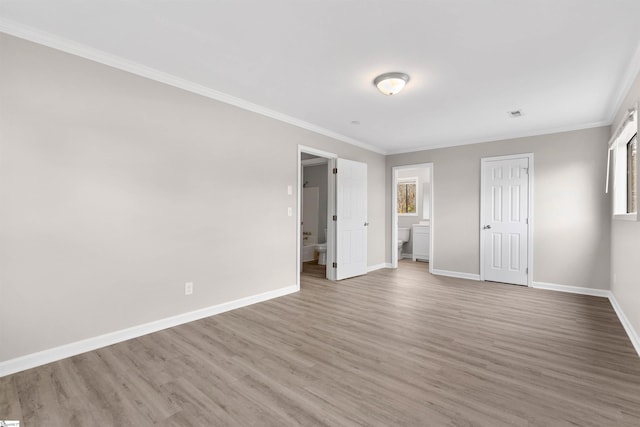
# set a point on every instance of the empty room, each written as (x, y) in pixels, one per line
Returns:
(301, 213)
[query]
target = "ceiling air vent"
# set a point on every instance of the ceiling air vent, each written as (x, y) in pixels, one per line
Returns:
(515, 113)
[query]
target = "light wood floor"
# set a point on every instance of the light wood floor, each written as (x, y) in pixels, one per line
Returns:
(312, 268)
(391, 348)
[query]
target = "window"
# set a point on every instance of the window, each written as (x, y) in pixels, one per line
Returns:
(632, 175)
(624, 148)
(407, 196)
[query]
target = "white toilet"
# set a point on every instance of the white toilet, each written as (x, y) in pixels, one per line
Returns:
(403, 237)
(322, 250)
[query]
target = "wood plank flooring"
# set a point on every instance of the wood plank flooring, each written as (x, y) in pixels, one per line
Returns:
(393, 348)
(312, 268)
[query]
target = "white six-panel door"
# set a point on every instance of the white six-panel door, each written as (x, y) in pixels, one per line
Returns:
(351, 225)
(505, 219)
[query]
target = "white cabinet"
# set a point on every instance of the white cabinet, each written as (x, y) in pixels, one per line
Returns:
(420, 237)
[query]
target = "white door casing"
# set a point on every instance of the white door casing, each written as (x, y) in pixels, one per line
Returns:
(394, 212)
(331, 199)
(351, 224)
(505, 219)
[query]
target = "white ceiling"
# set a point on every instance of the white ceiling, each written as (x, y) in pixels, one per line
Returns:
(565, 63)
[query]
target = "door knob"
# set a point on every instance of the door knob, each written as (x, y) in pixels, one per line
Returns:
(486, 227)
(366, 224)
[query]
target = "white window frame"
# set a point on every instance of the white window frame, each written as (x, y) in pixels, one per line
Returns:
(618, 153)
(409, 180)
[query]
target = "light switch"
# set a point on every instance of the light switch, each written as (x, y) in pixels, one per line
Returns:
(289, 190)
(290, 211)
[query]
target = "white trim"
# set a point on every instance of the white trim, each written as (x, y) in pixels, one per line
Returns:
(626, 217)
(72, 349)
(629, 76)
(60, 43)
(626, 132)
(571, 289)
(432, 214)
(407, 179)
(394, 210)
(380, 266)
(331, 159)
(51, 355)
(456, 274)
(316, 152)
(316, 161)
(628, 327)
(394, 218)
(530, 217)
(604, 293)
(631, 116)
(332, 241)
(83, 51)
(499, 138)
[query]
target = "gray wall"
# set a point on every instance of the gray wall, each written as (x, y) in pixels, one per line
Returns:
(571, 213)
(625, 244)
(115, 190)
(316, 176)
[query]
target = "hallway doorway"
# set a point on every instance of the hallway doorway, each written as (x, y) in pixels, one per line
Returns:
(412, 214)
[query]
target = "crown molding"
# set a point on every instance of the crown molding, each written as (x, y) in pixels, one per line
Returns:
(503, 137)
(59, 43)
(628, 78)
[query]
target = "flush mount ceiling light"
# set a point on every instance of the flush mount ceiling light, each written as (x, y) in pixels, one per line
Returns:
(391, 83)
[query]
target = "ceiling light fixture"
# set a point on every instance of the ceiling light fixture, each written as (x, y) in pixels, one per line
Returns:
(391, 83)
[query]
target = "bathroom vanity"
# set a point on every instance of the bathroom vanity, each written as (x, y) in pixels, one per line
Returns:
(420, 236)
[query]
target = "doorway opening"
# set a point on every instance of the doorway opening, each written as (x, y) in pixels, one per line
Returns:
(315, 185)
(346, 216)
(412, 214)
(316, 205)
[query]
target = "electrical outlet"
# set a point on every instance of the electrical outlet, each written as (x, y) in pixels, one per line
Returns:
(188, 288)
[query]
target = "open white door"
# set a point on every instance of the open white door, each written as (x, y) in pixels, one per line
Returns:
(351, 223)
(505, 219)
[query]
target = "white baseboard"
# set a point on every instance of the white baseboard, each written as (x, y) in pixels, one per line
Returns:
(51, 355)
(378, 267)
(57, 353)
(455, 274)
(572, 289)
(605, 293)
(628, 327)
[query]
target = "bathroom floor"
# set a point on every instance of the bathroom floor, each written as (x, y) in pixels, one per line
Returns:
(405, 262)
(312, 268)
